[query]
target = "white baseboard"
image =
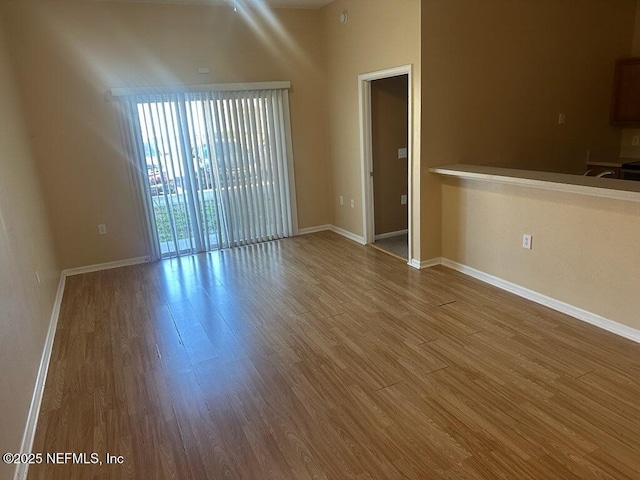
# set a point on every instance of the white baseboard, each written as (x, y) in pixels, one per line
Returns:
(431, 263)
(319, 228)
(397, 233)
(36, 400)
(333, 228)
(425, 264)
(575, 312)
(104, 266)
(347, 234)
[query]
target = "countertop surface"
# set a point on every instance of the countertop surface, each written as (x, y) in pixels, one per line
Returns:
(606, 164)
(615, 164)
(579, 184)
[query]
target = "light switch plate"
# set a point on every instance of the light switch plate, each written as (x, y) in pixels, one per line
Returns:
(402, 153)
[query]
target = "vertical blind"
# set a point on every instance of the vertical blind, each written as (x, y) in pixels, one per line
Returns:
(212, 169)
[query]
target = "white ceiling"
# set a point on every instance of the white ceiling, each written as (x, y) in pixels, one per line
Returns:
(273, 3)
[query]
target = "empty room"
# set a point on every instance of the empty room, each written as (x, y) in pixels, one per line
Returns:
(315, 239)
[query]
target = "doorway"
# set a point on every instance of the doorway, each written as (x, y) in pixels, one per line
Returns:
(389, 147)
(385, 98)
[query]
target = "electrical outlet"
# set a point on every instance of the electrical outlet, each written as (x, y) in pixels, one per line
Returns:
(526, 241)
(102, 229)
(561, 119)
(403, 200)
(635, 140)
(341, 200)
(402, 153)
(353, 203)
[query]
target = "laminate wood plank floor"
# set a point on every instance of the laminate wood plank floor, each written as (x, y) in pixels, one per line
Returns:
(316, 358)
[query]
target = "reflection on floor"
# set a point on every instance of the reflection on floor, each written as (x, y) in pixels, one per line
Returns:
(398, 245)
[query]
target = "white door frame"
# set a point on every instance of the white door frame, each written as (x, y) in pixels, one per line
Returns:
(366, 153)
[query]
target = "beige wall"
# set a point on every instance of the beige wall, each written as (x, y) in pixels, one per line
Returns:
(496, 74)
(389, 132)
(627, 149)
(25, 247)
(585, 249)
(379, 34)
(68, 54)
(635, 49)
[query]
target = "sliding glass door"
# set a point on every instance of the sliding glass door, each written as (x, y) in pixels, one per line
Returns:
(214, 169)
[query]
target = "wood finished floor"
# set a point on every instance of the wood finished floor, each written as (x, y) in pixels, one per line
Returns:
(316, 358)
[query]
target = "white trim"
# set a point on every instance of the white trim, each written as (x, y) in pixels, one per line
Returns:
(366, 157)
(214, 87)
(38, 392)
(349, 235)
(575, 312)
(559, 182)
(104, 266)
(340, 231)
(319, 228)
(431, 263)
(397, 233)
(291, 176)
(425, 264)
(414, 263)
(366, 161)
